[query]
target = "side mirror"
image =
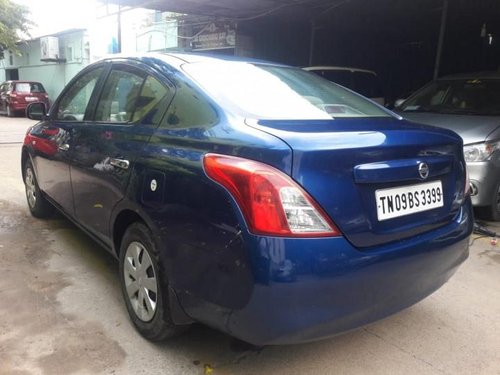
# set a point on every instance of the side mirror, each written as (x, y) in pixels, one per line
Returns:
(36, 111)
(398, 103)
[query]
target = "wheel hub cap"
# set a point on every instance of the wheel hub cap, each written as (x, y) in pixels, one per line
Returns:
(30, 187)
(140, 281)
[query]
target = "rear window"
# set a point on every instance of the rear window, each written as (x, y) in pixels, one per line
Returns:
(367, 84)
(29, 87)
(342, 77)
(364, 83)
(275, 92)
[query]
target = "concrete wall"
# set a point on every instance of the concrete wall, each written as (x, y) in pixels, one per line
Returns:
(73, 46)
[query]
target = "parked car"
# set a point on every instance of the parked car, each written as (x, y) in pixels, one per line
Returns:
(256, 198)
(16, 95)
(468, 104)
(364, 82)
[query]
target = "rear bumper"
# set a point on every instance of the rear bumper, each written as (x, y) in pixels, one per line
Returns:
(312, 289)
(18, 107)
(14, 106)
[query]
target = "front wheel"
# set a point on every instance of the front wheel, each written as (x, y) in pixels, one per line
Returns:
(37, 203)
(145, 293)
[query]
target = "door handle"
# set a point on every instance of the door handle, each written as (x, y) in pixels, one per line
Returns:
(64, 147)
(119, 163)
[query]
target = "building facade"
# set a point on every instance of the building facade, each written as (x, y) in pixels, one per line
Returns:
(52, 60)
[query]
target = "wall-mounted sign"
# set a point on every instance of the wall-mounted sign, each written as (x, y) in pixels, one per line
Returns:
(215, 35)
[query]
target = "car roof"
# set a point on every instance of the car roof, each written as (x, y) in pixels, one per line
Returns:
(341, 68)
(474, 75)
(178, 59)
(20, 81)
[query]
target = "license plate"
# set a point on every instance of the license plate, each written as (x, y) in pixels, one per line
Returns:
(407, 200)
(31, 99)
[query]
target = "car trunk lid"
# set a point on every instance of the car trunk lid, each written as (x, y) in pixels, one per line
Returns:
(354, 167)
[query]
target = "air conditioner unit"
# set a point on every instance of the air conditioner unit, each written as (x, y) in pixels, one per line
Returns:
(50, 48)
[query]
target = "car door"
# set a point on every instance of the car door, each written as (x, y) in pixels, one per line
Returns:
(52, 139)
(131, 105)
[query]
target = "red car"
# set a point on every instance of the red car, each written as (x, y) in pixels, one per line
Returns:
(16, 95)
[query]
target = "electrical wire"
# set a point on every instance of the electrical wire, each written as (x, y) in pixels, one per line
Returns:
(477, 238)
(479, 229)
(483, 232)
(267, 12)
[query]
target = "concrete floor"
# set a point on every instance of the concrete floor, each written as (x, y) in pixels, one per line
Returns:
(61, 312)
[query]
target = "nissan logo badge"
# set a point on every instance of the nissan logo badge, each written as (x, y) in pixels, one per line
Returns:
(423, 170)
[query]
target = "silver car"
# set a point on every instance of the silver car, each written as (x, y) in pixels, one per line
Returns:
(468, 104)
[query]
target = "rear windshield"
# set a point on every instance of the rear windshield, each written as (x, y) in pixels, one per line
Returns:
(467, 96)
(275, 92)
(364, 83)
(29, 87)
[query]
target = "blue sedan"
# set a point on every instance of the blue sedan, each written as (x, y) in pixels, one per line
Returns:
(256, 198)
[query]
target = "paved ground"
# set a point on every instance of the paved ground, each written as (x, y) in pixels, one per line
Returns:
(61, 312)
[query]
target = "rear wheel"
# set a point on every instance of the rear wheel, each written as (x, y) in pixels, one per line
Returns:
(37, 204)
(144, 286)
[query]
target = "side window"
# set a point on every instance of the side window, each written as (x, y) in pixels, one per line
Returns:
(74, 102)
(189, 109)
(119, 96)
(37, 87)
(152, 98)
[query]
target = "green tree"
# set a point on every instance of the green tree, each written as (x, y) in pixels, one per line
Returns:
(14, 22)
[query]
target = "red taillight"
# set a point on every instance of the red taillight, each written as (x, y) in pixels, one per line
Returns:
(271, 202)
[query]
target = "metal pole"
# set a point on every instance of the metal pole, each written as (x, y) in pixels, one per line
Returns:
(311, 42)
(119, 36)
(442, 29)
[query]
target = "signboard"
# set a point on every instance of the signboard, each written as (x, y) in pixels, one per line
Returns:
(215, 35)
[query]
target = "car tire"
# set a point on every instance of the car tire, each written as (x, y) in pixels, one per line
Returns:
(144, 285)
(492, 212)
(37, 203)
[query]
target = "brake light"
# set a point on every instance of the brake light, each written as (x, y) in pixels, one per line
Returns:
(271, 202)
